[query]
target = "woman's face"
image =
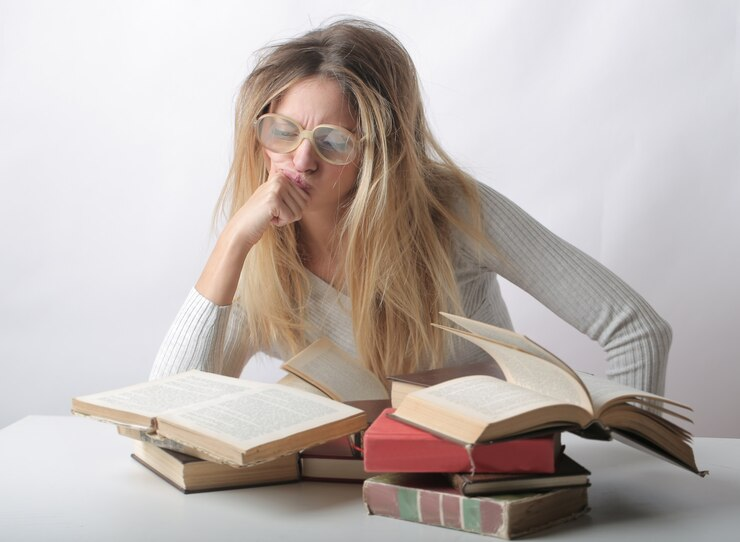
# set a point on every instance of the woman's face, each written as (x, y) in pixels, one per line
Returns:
(312, 102)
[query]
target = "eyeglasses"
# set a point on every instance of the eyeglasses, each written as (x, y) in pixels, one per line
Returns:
(280, 134)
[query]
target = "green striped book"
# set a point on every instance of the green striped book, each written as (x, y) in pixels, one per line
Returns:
(429, 499)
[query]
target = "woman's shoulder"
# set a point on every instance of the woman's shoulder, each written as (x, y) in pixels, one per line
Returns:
(489, 197)
(482, 208)
(465, 197)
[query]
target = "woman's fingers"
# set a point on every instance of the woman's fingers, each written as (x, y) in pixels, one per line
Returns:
(288, 201)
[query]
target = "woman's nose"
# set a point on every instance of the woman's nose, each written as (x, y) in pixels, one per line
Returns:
(304, 157)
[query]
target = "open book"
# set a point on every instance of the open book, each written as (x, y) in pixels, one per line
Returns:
(541, 393)
(229, 420)
(324, 368)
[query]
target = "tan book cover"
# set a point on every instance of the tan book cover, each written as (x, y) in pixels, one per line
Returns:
(428, 499)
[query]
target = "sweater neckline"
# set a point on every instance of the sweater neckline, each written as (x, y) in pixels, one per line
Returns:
(324, 287)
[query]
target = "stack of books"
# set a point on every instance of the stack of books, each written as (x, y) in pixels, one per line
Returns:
(483, 488)
(190, 471)
(475, 448)
(480, 451)
(341, 460)
(201, 432)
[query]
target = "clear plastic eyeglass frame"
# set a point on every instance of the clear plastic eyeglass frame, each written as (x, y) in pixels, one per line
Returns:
(325, 132)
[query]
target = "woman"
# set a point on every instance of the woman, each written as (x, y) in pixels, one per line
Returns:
(347, 220)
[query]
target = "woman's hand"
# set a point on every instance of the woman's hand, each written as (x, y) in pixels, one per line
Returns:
(278, 201)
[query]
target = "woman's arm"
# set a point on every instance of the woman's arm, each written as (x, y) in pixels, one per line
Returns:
(207, 332)
(580, 290)
(204, 336)
(277, 202)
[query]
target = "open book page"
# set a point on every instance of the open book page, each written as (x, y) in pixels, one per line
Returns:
(476, 408)
(149, 399)
(646, 427)
(330, 369)
(511, 339)
(684, 459)
(486, 398)
(532, 372)
(605, 393)
(262, 413)
(501, 335)
(297, 383)
(627, 416)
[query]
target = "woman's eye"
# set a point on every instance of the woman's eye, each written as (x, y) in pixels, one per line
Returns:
(284, 133)
(336, 142)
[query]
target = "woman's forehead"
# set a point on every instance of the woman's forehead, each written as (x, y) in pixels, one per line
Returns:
(314, 101)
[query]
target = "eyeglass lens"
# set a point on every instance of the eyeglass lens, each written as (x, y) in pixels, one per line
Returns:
(280, 134)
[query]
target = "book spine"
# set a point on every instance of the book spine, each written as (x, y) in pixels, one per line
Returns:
(479, 516)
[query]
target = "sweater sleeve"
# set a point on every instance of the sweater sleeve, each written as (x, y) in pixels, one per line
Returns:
(204, 336)
(579, 290)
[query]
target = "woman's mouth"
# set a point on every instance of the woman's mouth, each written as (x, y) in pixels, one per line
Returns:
(296, 178)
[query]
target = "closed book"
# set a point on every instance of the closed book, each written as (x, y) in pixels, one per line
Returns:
(393, 446)
(333, 461)
(567, 474)
(428, 499)
(332, 468)
(191, 474)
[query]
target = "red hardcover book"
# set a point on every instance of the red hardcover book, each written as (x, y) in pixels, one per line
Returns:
(393, 446)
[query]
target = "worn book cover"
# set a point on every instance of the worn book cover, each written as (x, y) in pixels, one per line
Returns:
(428, 499)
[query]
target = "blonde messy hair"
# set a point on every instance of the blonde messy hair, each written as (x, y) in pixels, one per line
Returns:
(397, 224)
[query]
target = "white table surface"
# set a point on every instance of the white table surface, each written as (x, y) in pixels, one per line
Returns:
(67, 478)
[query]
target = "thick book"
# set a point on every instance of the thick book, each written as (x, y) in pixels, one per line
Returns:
(392, 446)
(230, 420)
(428, 499)
(193, 475)
(540, 392)
(402, 385)
(333, 461)
(567, 474)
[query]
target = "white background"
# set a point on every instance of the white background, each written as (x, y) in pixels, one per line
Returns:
(616, 124)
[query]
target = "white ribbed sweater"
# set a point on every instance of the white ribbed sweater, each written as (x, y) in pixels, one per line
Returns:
(571, 284)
